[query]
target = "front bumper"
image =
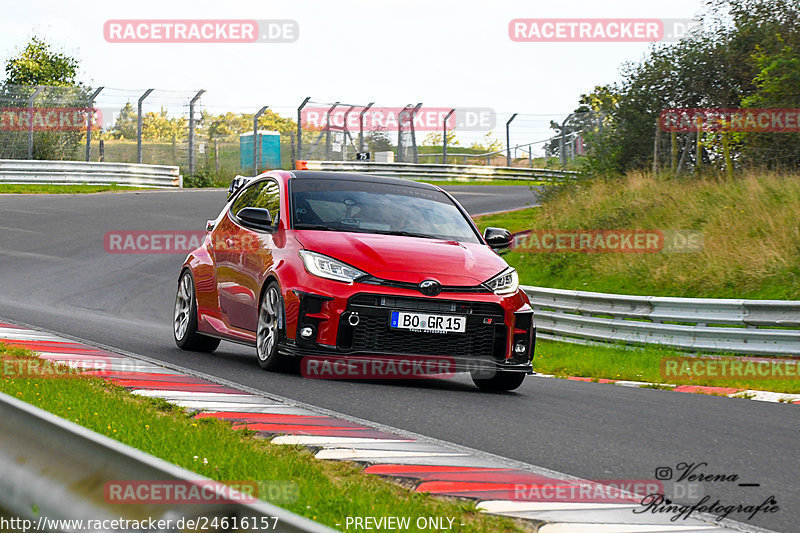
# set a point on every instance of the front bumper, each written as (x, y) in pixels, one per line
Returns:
(495, 325)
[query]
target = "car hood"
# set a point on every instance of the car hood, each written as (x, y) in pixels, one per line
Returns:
(407, 259)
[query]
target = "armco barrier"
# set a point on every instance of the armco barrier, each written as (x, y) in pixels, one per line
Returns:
(79, 172)
(54, 469)
(758, 327)
(440, 172)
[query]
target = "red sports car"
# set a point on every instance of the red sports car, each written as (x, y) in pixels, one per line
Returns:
(320, 264)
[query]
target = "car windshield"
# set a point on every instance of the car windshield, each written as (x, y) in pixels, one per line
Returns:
(384, 208)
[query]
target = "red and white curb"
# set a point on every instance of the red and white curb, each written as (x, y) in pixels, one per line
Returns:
(748, 394)
(429, 466)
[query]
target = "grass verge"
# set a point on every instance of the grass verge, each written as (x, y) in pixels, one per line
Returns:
(750, 228)
(327, 491)
(13, 188)
(445, 183)
(645, 364)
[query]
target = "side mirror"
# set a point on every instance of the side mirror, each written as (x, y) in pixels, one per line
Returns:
(497, 238)
(256, 217)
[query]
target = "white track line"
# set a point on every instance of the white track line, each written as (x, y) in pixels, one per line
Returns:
(510, 506)
(345, 454)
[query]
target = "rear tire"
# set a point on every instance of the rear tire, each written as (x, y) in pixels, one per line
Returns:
(270, 330)
(184, 320)
(500, 382)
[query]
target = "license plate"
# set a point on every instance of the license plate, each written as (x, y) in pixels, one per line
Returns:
(425, 323)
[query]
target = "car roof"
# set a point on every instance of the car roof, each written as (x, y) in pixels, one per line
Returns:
(353, 176)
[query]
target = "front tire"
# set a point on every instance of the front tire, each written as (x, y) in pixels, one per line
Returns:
(270, 333)
(184, 320)
(500, 382)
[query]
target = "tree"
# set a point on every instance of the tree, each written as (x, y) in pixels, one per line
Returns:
(126, 123)
(489, 143)
(434, 138)
(161, 127)
(39, 64)
(736, 60)
(378, 141)
(777, 85)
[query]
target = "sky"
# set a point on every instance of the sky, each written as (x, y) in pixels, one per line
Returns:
(442, 53)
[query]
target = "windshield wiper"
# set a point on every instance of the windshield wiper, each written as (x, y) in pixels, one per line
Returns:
(406, 234)
(320, 227)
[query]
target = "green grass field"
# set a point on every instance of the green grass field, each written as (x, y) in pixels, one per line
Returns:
(10, 188)
(324, 491)
(521, 183)
(635, 364)
(750, 228)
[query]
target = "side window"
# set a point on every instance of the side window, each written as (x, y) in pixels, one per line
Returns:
(264, 194)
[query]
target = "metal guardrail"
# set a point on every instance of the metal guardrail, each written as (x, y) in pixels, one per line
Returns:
(755, 327)
(52, 468)
(440, 172)
(79, 172)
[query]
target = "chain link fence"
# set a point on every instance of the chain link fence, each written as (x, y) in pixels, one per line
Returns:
(213, 143)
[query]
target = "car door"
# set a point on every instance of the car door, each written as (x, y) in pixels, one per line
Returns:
(243, 255)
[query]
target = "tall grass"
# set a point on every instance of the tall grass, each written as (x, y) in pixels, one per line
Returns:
(750, 227)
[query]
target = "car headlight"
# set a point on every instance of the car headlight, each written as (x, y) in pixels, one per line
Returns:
(328, 267)
(506, 282)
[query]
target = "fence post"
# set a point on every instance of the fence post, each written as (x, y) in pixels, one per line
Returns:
(673, 149)
(102, 151)
(328, 131)
(562, 143)
(346, 133)
(400, 147)
(191, 129)
(361, 127)
(655, 149)
(699, 148)
(726, 152)
(444, 137)
(89, 117)
(36, 93)
(530, 156)
(291, 140)
(508, 139)
(256, 144)
(300, 128)
(139, 125)
(413, 132)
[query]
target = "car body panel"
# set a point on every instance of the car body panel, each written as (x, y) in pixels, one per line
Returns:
(235, 263)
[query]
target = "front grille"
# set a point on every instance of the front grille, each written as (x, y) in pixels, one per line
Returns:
(373, 334)
(371, 280)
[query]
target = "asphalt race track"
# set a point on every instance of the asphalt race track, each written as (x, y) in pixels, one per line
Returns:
(56, 274)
